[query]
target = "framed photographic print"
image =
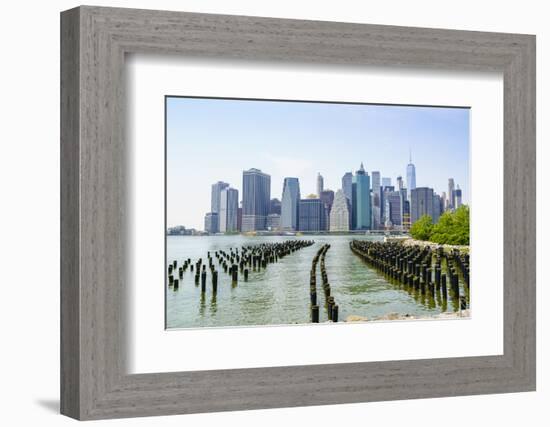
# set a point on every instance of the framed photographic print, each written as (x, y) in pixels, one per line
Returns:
(262, 213)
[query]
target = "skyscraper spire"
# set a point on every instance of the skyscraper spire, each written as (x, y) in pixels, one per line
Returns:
(410, 156)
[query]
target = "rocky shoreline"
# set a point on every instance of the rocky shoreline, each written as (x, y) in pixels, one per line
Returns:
(423, 243)
(463, 314)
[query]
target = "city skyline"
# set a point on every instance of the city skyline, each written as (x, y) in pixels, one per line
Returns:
(302, 151)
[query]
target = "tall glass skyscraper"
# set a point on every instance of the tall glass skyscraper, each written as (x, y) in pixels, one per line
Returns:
(376, 200)
(215, 201)
(289, 204)
(361, 200)
(451, 196)
(346, 185)
(320, 184)
(229, 206)
(411, 178)
(311, 215)
(422, 199)
(256, 199)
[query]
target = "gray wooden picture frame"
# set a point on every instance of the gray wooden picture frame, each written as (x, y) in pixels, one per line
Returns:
(94, 381)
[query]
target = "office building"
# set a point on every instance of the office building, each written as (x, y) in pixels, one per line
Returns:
(386, 182)
(211, 222)
(436, 208)
(320, 184)
(346, 184)
(421, 203)
(393, 209)
(376, 200)
(229, 210)
(339, 214)
(256, 199)
(215, 199)
(290, 204)
(411, 177)
(311, 215)
(451, 204)
(362, 212)
(458, 197)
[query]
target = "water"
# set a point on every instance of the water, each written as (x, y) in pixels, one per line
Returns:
(279, 294)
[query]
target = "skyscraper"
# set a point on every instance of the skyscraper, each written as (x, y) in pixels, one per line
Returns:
(290, 204)
(320, 184)
(311, 215)
(346, 184)
(393, 208)
(211, 222)
(399, 183)
(386, 182)
(361, 200)
(215, 199)
(421, 203)
(436, 207)
(327, 197)
(256, 199)
(451, 193)
(376, 211)
(458, 197)
(339, 213)
(411, 177)
(229, 207)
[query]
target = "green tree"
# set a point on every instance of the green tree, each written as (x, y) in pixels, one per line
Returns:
(453, 228)
(422, 229)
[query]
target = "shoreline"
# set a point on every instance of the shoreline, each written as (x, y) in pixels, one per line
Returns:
(463, 314)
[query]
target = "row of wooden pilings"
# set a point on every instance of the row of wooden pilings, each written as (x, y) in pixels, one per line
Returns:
(330, 304)
(235, 260)
(419, 268)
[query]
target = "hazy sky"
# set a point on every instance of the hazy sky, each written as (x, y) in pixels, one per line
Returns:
(211, 140)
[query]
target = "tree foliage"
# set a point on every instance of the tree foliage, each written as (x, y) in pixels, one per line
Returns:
(453, 228)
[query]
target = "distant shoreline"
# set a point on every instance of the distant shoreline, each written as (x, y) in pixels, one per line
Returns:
(380, 233)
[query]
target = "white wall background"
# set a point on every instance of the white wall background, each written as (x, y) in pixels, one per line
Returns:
(29, 211)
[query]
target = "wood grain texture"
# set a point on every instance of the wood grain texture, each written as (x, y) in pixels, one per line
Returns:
(94, 198)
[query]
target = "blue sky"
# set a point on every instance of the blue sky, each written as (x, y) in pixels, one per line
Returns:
(211, 140)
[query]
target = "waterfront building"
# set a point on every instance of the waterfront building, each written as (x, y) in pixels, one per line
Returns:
(320, 184)
(458, 197)
(376, 200)
(451, 204)
(311, 215)
(327, 197)
(215, 198)
(256, 199)
(211, 222)
(411, 177)
(290, 204)
(383, 192)
(421, 203)
(274, 222)
(275, 206)
(339, 213)
(436, 208)
(229, 207)
(347, 184)
(393, 208)
(240, 218)
(362, 211)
